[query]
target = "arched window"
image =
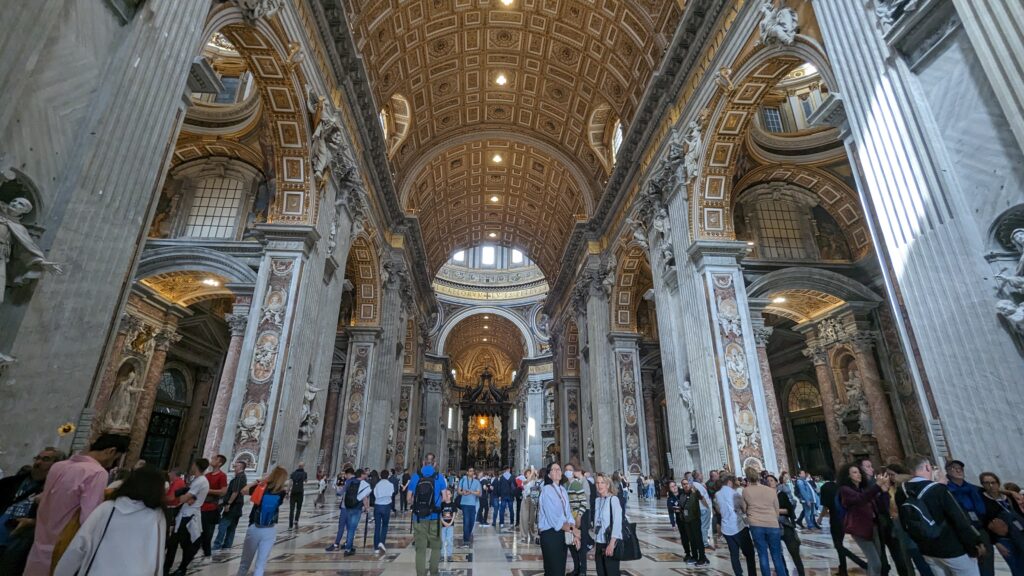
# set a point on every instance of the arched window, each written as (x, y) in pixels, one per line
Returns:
(214, 209)
(616, 140)
(783, 222)
(173, 387)
(803, 396)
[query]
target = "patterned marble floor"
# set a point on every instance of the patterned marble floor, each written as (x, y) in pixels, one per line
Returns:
(301, 552)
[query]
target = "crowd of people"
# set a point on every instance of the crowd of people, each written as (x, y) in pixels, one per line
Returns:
(84, 514)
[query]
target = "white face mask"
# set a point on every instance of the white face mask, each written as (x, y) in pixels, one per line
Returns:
(568, 473)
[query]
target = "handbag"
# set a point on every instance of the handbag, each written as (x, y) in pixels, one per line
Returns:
(626, 548)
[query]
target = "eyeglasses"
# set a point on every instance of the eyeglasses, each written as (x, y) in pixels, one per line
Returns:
(41, 458)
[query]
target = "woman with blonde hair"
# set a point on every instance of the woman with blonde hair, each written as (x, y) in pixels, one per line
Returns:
(266, 496)
(607, 526)
(531, 491)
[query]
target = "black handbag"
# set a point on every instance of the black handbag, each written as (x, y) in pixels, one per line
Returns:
(626, 548)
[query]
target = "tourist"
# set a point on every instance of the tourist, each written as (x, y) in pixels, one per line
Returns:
(691, 501)
(321, 490)
(787, 521)
(730, 506)
(298, 493)
(383, 500)
(579, 502)
(805, 493)
(210, 510)
(73, 489)
(267, 496)
(762, 507)
(393, 477)
(675, 514)
(485, 498)
(950, 553)
(355, 499)
(403, 487)
(447, 512)
(528, 519)
(607, 527)
(518, 494)
(621, 487)
(176, 486)
(830, 505)
(1004, 521)
(504, 491)
(554, 521)
(714, 484)
(231, 508)
(858, 500)
(18, 507)
(188, 529)
(969, 497)
(124, 535)
(469, 491)
(890, 534)
(705, 510)
(424, 494)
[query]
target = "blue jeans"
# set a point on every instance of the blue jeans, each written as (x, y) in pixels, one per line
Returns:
(468, 520)
(447, 541)
(808, 514)
(258, 542)
(740, 542)
(381, 519)
(348, 522)
(769, 540)
(1015, 560)
(226, 532)
(506, 504)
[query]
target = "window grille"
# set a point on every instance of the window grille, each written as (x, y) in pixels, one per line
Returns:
(781, 233)
(772, 119)
(214, 211)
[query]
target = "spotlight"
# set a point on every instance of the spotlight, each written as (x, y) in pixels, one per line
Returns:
(779, 300)
(211, 282)
(496, 158)
(501, 80)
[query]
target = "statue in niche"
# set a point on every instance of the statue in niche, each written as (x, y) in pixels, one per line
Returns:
(686, 396)
(1012, 307)
(13, 233)
(854, 415)
(328, 139)
(778, 25)
(639, 232)
(121, 407)
(661, 223)
(253, 10)
(693, 143)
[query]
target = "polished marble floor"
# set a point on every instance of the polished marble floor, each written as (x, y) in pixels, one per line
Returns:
(301, 552)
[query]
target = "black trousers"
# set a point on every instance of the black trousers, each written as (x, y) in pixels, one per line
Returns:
(294, 508)
(210, 520)
(836, 530)
(519, 508)
(792, 542)
(696, 539)
(182, 538)
(552, 549)
(887, 539)
(606, 565)
(579, 555)
(485, 508)
(684, 538)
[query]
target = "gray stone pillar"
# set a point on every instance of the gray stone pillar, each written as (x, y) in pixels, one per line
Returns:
(363, 345)
(433, 402)
(922, 195)
(237, 322)
(629, 397)
(534, 410)
(655, 450)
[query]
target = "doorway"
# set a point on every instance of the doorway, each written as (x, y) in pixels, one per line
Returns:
(813, 453)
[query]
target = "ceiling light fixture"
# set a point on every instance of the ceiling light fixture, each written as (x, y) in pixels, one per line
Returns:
(779, 300)
(501, 80)
(211, 282)
(485, 339)
(507, 2)
(750, 243)
(486, 327)
(492, 235)
(496, 158)
(494, 198)
(487, 317)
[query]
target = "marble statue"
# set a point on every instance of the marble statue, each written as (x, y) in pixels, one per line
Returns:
(888, 11)
(253, 10)
(121, 411)
(639, 232)
(778, 25)
(661, 223)
(328, 139)
(686, 395)
(668, 255)
(250, 427)
(13, 232)
(1014, 285)
(1014, 314)
(693, 142)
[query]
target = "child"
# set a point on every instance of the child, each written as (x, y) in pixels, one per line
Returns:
(447, 525)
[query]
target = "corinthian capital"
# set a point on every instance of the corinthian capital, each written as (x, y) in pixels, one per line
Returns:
(237, 323)
(761, 335)
(166, 338)
(817, 354)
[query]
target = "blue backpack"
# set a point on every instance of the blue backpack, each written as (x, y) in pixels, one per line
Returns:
(264, 514)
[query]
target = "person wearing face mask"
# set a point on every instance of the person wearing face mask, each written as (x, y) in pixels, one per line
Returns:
(579, 501)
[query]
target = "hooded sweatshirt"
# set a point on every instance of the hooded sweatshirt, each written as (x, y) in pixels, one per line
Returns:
(132, 546)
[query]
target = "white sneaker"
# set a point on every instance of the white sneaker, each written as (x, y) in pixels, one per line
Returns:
(382, 549)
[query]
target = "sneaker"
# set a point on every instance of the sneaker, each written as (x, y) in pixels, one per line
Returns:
(704, 562)
(689, 560)
(350, 552)
(382, 549)
(332, 548)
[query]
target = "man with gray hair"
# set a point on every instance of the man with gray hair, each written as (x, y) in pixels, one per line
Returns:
(18, 509)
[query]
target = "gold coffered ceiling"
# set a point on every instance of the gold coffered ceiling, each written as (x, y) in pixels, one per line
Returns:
(561, 59)
(801, 305)
(470, 353)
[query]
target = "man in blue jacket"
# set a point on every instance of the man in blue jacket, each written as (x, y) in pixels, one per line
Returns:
(806, 495)
(503, 491)
(426, 520)
(969, 497)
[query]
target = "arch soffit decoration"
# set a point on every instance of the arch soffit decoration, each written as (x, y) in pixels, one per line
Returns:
(286, 132)
(632, 279)
(809, 292)
(540, 199)
(362, 271)
(565, 55)
(449, 325)
(734, 109)
(177, 273)
(833, 194)
(571, 346)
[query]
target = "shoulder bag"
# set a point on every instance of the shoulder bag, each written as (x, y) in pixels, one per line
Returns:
(626, 548)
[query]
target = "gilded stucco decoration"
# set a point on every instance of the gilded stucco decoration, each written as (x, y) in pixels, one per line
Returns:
(188, 287)
(633, 280)
(363, 271)
(477, 342)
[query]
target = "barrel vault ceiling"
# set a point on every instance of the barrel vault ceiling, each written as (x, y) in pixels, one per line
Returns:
(524, 81)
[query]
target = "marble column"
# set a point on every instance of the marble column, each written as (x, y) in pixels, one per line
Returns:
(827, 389)
(163, 340)
(884, 425)
(761, 335)
(237, 322)
(633, 435)
(189, 445)
(335, 388)
(433, 403)
(534, 412)
(403, 427)
(654, 448)
(363, 345)
(748, 428)
(574, 447)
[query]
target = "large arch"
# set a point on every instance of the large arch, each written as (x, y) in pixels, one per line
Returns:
(185, 258)
(803, 278)
(450, 323)
(735, 106)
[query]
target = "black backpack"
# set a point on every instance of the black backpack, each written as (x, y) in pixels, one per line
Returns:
(916, 518)
(352, 493)
(423, 497)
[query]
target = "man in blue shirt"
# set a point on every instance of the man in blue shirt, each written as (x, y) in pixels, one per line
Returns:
(470, 490)
(969, 497)
(806, 495)
(426, 520)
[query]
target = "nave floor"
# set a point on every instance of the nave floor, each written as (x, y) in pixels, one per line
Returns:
(301, 552)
